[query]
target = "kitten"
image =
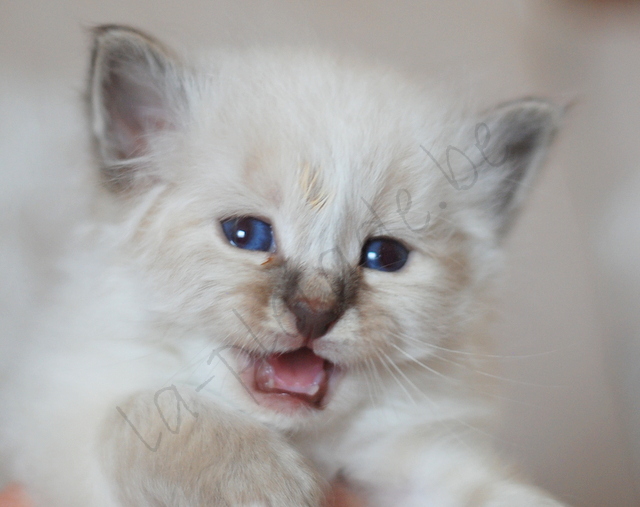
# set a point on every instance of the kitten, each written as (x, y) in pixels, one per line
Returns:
(283, 282)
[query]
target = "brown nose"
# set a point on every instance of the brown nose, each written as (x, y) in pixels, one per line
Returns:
(313, 317)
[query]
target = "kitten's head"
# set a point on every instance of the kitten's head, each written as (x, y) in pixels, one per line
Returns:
(320, 220)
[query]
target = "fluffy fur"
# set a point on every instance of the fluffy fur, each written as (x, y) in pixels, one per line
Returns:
(130, 388)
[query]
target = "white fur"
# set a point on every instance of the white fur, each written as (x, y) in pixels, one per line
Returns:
(149, 288)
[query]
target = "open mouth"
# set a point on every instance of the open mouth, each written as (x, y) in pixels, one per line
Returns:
(291, 380)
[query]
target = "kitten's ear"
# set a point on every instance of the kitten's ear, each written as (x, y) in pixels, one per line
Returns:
(513, 140)
(135, 96)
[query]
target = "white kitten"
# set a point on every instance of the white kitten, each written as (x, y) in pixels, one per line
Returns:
(282, 282)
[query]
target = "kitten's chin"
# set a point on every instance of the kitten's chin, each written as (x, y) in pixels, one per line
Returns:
(290, 383)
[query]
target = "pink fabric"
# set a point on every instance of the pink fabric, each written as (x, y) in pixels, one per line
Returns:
(14, 496)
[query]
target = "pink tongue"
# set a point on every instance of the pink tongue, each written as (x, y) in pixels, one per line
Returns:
(297, 372)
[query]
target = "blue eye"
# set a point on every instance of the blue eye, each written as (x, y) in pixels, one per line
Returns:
(248, 233)
(384, 254)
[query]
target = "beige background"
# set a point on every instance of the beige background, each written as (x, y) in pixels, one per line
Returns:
(570, 320)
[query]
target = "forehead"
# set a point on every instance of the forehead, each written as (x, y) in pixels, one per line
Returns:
(322, 199)
(320, 147)
(328, 134)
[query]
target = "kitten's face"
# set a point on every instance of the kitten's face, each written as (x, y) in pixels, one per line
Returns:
(298, 221)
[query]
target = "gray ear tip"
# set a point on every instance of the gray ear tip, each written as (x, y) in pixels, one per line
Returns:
(119, 32)
(534, 118)
(535, 110)
(125, 44)
(114, 37)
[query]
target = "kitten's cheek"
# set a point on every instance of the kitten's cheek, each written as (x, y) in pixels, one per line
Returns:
(336, 351)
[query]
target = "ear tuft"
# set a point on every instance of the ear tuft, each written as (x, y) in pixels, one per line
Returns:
(513, 140)
(135, 94)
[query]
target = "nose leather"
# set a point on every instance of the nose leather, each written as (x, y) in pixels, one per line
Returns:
(313, 317)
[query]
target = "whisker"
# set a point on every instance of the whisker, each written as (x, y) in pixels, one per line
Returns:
(362, 369)
(441, 417)
(421, 364)
(400, 384)
(470, 368)
(402, 374)
(479, 354)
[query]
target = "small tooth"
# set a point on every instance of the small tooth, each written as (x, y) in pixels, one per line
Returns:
(313, 390)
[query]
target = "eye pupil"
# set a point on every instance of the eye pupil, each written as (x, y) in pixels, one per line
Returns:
(384, 254)
(248, 233)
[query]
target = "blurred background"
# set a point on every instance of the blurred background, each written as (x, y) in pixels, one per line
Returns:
(569, 327)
